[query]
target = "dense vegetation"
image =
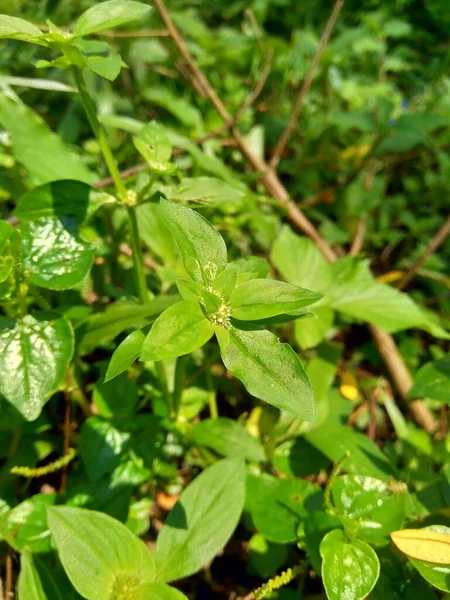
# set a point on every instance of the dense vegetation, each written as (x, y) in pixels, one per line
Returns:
(224, 296)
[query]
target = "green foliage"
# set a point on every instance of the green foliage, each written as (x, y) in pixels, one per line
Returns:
(184, 356)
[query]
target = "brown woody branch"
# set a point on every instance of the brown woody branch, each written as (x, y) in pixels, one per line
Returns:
(383, 340)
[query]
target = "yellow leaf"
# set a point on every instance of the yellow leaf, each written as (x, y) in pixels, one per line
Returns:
(423, 544)
(390, 277)
(348, 387)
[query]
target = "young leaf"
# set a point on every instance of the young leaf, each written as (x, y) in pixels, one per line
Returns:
(106, 15)
(99, 554)
(105, 66)
(196, 292)
(125, 354)
(426, 544)
(201, 246)
(154, 145)
(263, 298)
(350, 569)
(227, 437)
(269, 370)
(34, 354)
(19, 29)
(202, 521)
(62, 198)
(180, 329)
(54, 254)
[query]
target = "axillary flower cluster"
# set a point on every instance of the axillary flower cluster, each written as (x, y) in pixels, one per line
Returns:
(223, 314)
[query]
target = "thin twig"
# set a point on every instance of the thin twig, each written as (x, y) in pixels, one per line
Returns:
(360, 235)
(383, 340)
(433, 245)
(286, 133)
(9, 584)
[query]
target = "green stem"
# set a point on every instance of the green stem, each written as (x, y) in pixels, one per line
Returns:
(161, 372)
(139, 270)
(100, 134)
(180, 371)
(212, 401)
(334, 473)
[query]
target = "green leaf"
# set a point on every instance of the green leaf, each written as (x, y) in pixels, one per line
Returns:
(30, 586)
(154, 145)
(310, 332)
(300, 262)
(28, 522)
(159, 591)
(106, 15)
(350, 569)
(61, 199)
(250, 267)
(269, 370)
(47, 158)
(19, 29)
(263, 298)
(201, 246)
(101, 328)
(317, 524)
(202, 521)
(433, 381)
(277, 506)
(98, 553)
(436, 575)
(266, 557)
(101, 447)
(365, 456)
(355, 293)
(178, 106)
(180, 329)
(116, 399)
(34, 354)
(206, 190)
(6, 257)
(227, 437)
(196, 292)
(54, 254)
(125, 354)
(372, 503)
(106, 66)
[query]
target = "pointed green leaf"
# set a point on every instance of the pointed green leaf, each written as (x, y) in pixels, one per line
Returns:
(263, 298)
(201, 246)
(350, 569)
(19, 29)
(99, 554)
(106, 15)
(180, 329)
(54, 254)
(34, 354)
(106, 66)
(125, 354)
(202, 521)
(269, 370)
(433, 381)
(61, 198)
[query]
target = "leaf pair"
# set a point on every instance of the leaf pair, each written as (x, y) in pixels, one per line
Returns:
(216, 302)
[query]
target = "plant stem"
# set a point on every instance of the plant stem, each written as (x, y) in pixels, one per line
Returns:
(180, 371)
(100, 134)
(213, 410)
(334, 473)
(161, 373)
